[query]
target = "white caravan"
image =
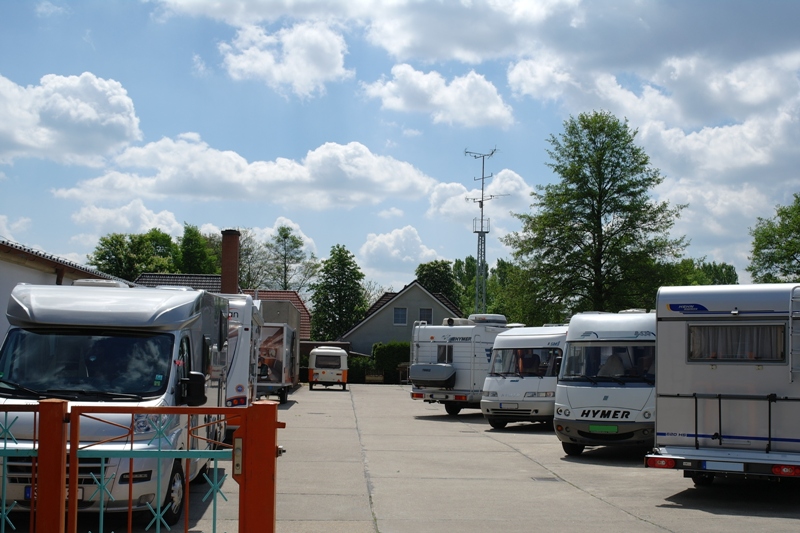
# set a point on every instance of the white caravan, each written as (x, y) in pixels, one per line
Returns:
(120, 346)
(278, 361)
(244, 333)
(449, 363)
(523, 372)
(728, 382)
(604, 395)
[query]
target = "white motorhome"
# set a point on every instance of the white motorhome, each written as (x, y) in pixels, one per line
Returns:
(728, 381)
(279, 361)
(523, 372)
(112, 345)
(449, 362)
(244, 334)
(604, 395)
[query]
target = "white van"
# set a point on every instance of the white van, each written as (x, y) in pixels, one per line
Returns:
(327, 366)
(129, 347)
(523, 372)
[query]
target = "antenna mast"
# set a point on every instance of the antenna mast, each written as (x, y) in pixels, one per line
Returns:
(481, 227)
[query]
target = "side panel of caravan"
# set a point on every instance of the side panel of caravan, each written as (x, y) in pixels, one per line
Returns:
(728, 399)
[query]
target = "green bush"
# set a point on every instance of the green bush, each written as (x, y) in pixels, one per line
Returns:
(357, 368)
(386, 357)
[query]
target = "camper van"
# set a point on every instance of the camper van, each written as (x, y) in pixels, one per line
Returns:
(728, 381)
(127, 347)
(449, 362)
(327, 366)
(523, 372)
(244, 333)
(604, 395)
(278, 350)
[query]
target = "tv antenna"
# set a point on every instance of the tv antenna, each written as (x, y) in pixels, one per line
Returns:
(481, 227)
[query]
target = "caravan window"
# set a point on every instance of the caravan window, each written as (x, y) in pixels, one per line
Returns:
(444, 353)
(737, 342)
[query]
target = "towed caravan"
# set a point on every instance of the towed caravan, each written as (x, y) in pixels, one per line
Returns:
(449, 362)
(128, 347)
(728, 382)
(523, 372)
(604, 395)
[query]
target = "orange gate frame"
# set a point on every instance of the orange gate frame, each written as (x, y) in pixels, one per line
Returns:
(254, 467)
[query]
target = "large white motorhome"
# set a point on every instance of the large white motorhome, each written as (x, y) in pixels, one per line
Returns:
(523, 372)
(604, 395)
(244, 334)
(123, 346)
(449, 363)
(728, 361)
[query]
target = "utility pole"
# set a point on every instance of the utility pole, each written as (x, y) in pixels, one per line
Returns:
(481, 227)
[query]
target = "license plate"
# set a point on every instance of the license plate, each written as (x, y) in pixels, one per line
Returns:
(509, 406)
(602, 429)
(723, 466)
(28, 492)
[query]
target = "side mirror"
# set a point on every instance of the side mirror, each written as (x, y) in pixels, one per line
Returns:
(193, 389)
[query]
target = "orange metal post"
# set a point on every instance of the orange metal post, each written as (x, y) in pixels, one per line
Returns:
(255, 456)
(51, 493)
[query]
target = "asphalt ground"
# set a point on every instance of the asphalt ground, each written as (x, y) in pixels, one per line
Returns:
(371, 460)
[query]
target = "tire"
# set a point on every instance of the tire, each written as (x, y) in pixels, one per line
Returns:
(452, 409)
(310, 386)
(344, 386)
(497, 424)
(283, 396)
(702, 479)
(173, 500)
(572, 449)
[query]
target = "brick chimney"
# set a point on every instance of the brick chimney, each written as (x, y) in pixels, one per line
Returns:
(230, 261)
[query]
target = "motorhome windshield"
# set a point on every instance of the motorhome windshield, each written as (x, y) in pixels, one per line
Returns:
(88, 364)
(611, 361)
(540, 362)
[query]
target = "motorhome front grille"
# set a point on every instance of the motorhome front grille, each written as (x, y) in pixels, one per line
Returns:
(615, 437)
(19, 469)
(512, 412)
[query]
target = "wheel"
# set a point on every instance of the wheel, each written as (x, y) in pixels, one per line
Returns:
(702, 479)
(310, 386)
(497, 424)
(283, 395)
(173, 501)
(344, 386)
(572, 449)
(452, 409)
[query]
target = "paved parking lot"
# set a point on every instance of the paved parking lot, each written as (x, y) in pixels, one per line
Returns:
(371, 460)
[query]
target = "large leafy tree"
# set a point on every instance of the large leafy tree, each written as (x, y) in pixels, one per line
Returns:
(129, 255)
(594, 239)
(338, 299)
(437, 277)
(290, 268)
(253, 261)
(775, 254)
(197, 255)
(464, 271)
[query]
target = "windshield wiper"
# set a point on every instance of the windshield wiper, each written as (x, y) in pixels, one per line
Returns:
(20, 388)
(97, 393)
(584, 376)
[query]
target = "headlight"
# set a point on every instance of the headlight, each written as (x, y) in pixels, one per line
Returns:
(548, 394)
(647, 415)
(144, 423)
(490, 394)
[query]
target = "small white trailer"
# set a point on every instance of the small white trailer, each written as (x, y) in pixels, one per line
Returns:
(604, 395)
(449, 362)
(728, 387)
(523, 372)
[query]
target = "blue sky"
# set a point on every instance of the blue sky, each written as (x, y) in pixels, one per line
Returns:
(348, 121)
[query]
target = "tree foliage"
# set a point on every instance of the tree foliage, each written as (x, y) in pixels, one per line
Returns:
(253, 261)
(775, 254)
(338, 299)
(464, 271)
(127, 256)
(595, 239)
(437, 277)
(197, 255)
(289, 267)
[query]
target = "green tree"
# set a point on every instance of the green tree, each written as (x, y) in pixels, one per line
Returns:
(338, 300)
(197, 256)
(253, 261)
(437, 277)
(518, 294)
(127, 256)
(719, 273)
(289, 268)
(594, 237)
(775, 253)
(464, 271)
